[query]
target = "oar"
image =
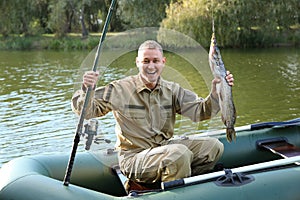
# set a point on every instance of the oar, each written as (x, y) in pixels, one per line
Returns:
(249, 168)
(87, 97)
(256, 126)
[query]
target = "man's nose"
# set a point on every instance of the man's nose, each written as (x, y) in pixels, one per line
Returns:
(151, 64)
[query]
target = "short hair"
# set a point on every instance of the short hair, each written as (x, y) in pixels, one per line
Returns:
(151, 44)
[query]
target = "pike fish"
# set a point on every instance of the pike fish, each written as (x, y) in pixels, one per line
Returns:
(228, 112)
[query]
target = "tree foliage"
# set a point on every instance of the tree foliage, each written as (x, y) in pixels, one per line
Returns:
(74, 16)
(142, 13)
(21, 16)
(52, 16)
(237, 22)
(65, 16)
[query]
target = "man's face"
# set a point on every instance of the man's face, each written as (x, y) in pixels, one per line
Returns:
(150, 63)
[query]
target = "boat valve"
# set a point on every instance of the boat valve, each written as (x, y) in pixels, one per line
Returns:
(91, 130)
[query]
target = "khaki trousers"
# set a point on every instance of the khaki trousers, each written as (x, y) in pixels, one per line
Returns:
(175, 160)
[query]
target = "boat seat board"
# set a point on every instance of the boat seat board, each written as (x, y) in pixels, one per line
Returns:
(279, 146)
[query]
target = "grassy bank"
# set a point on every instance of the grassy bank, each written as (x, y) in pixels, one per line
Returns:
(49, 42)
(76, 42)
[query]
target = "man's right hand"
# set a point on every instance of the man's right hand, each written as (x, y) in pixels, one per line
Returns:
(90, 78)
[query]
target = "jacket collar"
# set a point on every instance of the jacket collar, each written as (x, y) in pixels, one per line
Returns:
(140, 85)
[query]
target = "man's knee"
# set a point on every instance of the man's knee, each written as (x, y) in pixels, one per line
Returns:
(207, 156)
(209, 148)
(181, 153)
(217, 149)
(178, 163)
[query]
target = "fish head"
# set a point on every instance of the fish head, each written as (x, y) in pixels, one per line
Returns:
(215, 60)
(212, 55)
(213, 46)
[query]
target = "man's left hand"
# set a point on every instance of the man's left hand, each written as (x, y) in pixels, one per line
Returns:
(229, 78)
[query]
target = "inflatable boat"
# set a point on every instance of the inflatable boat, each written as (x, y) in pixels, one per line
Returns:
(263, 163)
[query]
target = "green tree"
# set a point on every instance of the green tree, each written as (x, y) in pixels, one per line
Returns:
(74, 16)
(238, 23)
(58, 22)
(21, 16)
(6, 26)
(142, 13)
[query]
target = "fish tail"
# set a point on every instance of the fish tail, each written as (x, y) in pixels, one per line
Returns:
(230, 134)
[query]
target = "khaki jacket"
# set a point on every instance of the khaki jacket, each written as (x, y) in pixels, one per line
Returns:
(144, 118)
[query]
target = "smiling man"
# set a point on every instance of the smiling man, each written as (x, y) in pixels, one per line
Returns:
(150, 62)
(145, 107)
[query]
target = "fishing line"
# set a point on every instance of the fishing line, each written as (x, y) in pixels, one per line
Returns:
(212, 16)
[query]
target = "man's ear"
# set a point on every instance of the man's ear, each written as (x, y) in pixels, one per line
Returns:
(164, 60)
(137, 62)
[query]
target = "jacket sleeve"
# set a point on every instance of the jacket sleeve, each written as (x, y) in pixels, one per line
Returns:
(196, 108)
(99, 102)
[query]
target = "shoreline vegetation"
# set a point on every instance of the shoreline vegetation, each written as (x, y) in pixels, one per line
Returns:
(76, 25)
(74, 41)
(50, 42)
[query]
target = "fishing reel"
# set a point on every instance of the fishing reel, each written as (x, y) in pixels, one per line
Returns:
(90, 130)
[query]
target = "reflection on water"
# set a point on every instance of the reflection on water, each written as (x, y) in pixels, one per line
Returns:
(36, 88)
(267, 84)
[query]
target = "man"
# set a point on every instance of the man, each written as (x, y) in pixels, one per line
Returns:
(145, 106)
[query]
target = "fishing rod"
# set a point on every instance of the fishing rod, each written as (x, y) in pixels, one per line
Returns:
(87, 97)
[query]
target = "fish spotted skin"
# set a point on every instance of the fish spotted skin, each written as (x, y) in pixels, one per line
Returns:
(228, 112)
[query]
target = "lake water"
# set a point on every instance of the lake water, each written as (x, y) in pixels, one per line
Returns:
(36, 88)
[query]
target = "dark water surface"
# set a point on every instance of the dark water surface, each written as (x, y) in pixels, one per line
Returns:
(36, 88)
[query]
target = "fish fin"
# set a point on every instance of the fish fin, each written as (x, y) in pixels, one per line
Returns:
(221, 96)
(223, 119)
(230, 134)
